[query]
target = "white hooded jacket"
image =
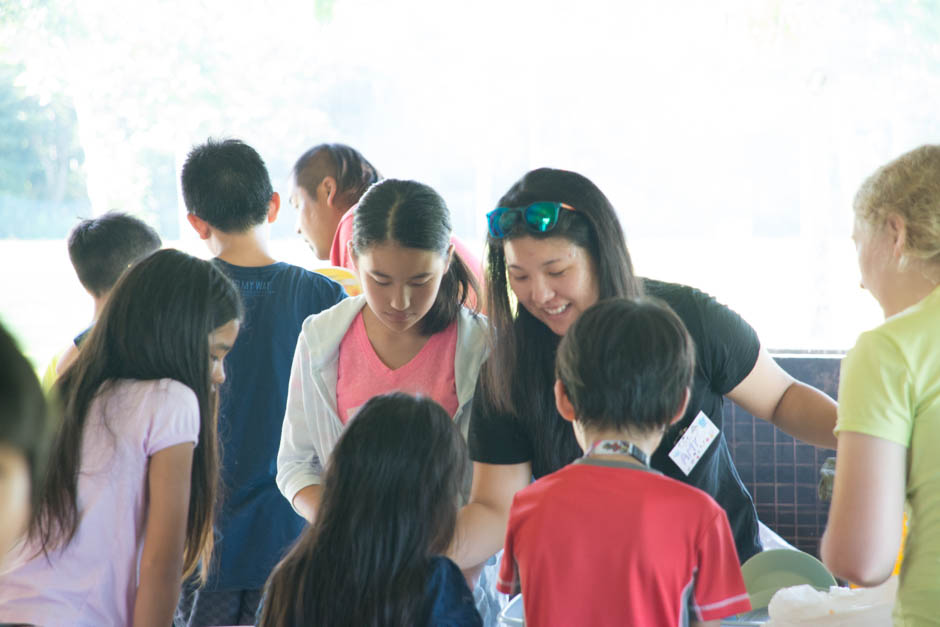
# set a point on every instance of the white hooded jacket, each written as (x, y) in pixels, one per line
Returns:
(311, 422)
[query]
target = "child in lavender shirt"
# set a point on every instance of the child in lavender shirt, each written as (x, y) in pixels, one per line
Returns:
(126, 508)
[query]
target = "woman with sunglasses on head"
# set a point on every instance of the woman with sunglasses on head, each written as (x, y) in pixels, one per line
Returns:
(555, 243)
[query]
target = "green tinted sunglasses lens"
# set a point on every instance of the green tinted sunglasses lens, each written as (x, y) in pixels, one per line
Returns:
(506, 221)
(541, 216)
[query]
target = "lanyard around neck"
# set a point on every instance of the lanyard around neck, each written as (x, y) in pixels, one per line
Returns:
(618, 447)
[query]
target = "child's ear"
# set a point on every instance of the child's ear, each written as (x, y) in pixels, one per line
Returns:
(682, 408)
(201, 227)
(562, 402)
(327, 190)
(274, 207)
(898, 229)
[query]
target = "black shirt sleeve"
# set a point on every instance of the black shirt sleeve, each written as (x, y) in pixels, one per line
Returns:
(726, 346)
(496, 437)
(729, 344)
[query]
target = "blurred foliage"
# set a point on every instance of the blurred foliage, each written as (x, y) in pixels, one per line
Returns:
(42, 187)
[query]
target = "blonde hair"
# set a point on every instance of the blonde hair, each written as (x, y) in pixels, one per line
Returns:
(909, 187)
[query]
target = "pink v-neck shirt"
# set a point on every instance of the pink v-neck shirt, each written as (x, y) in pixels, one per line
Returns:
(362, 375)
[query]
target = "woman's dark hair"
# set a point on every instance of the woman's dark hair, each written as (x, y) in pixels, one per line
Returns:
(26, 421)
(155, 325)
(413, 215)
(519, 374)
(389, 505)
(626, 364)
(353, 172)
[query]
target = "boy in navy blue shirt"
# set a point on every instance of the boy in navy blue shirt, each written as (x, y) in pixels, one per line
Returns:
(230, 202)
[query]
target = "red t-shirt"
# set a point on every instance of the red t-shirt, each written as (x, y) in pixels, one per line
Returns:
(339, 253)
(601, 543)
(361, 374)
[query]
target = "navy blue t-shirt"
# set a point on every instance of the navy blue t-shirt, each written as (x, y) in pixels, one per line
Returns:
(256, 523)
(450, 599)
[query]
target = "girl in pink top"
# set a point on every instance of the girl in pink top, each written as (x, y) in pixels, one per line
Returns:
(127, 507)
(408, 332)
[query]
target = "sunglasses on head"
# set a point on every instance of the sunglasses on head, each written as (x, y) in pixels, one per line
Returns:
(540, 217)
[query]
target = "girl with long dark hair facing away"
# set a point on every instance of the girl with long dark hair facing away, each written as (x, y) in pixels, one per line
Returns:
(556, 245)
(386, 514)
(889, 394)
(126, 508)
(409, 331)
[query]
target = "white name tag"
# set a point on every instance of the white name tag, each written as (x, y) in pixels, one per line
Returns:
(693, 443)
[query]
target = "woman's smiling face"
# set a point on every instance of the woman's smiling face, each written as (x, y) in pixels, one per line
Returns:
(553, 278)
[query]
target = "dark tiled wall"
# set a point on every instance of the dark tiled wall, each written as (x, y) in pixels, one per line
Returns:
(781, 473)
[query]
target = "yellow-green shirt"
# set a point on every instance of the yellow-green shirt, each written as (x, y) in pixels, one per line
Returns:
(50, 375)
(890, 388)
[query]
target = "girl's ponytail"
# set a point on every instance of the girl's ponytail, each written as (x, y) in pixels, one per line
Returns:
(455, 290)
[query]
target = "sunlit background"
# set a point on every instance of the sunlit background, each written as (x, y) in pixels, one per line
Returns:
(731, 136)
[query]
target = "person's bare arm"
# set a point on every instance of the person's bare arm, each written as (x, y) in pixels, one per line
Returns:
(307, 501)
(161, 561)
(481, 524)
(863, 534)
(799, 410)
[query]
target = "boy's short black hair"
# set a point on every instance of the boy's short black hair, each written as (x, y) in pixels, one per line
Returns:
(626, 364)
(102, 248)
(27, 423)
(227, 184)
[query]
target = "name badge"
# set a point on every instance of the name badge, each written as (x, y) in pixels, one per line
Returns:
(694, 442)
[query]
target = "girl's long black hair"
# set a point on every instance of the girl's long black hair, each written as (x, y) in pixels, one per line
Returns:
(27, 421)
(519, 374)
(155, 325)
(413, 215)
(389, 505)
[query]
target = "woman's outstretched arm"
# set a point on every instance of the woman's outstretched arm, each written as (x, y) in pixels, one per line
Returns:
(768, 392)
(481, 524)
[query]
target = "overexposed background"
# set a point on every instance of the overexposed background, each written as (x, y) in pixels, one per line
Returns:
(731, 135)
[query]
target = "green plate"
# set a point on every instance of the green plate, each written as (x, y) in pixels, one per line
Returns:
(769, 571)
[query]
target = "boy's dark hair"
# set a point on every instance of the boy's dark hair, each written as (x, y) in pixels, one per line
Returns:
(102, 248)
(413, 215)
(389, 506)
(26, 422)
(626, 364)
(519, 374)
(155, 325)
(226, 184)
(353, 172)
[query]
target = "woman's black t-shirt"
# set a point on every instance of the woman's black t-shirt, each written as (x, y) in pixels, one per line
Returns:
(726, 349)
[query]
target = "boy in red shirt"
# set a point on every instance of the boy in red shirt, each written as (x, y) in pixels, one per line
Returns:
(607, 540)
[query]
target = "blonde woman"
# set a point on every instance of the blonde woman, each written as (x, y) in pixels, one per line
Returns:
(889, 395)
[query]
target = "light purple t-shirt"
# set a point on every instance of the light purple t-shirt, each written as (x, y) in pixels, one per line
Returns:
(93, 580)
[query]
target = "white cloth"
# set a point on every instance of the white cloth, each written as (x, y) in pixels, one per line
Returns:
(770, 539)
